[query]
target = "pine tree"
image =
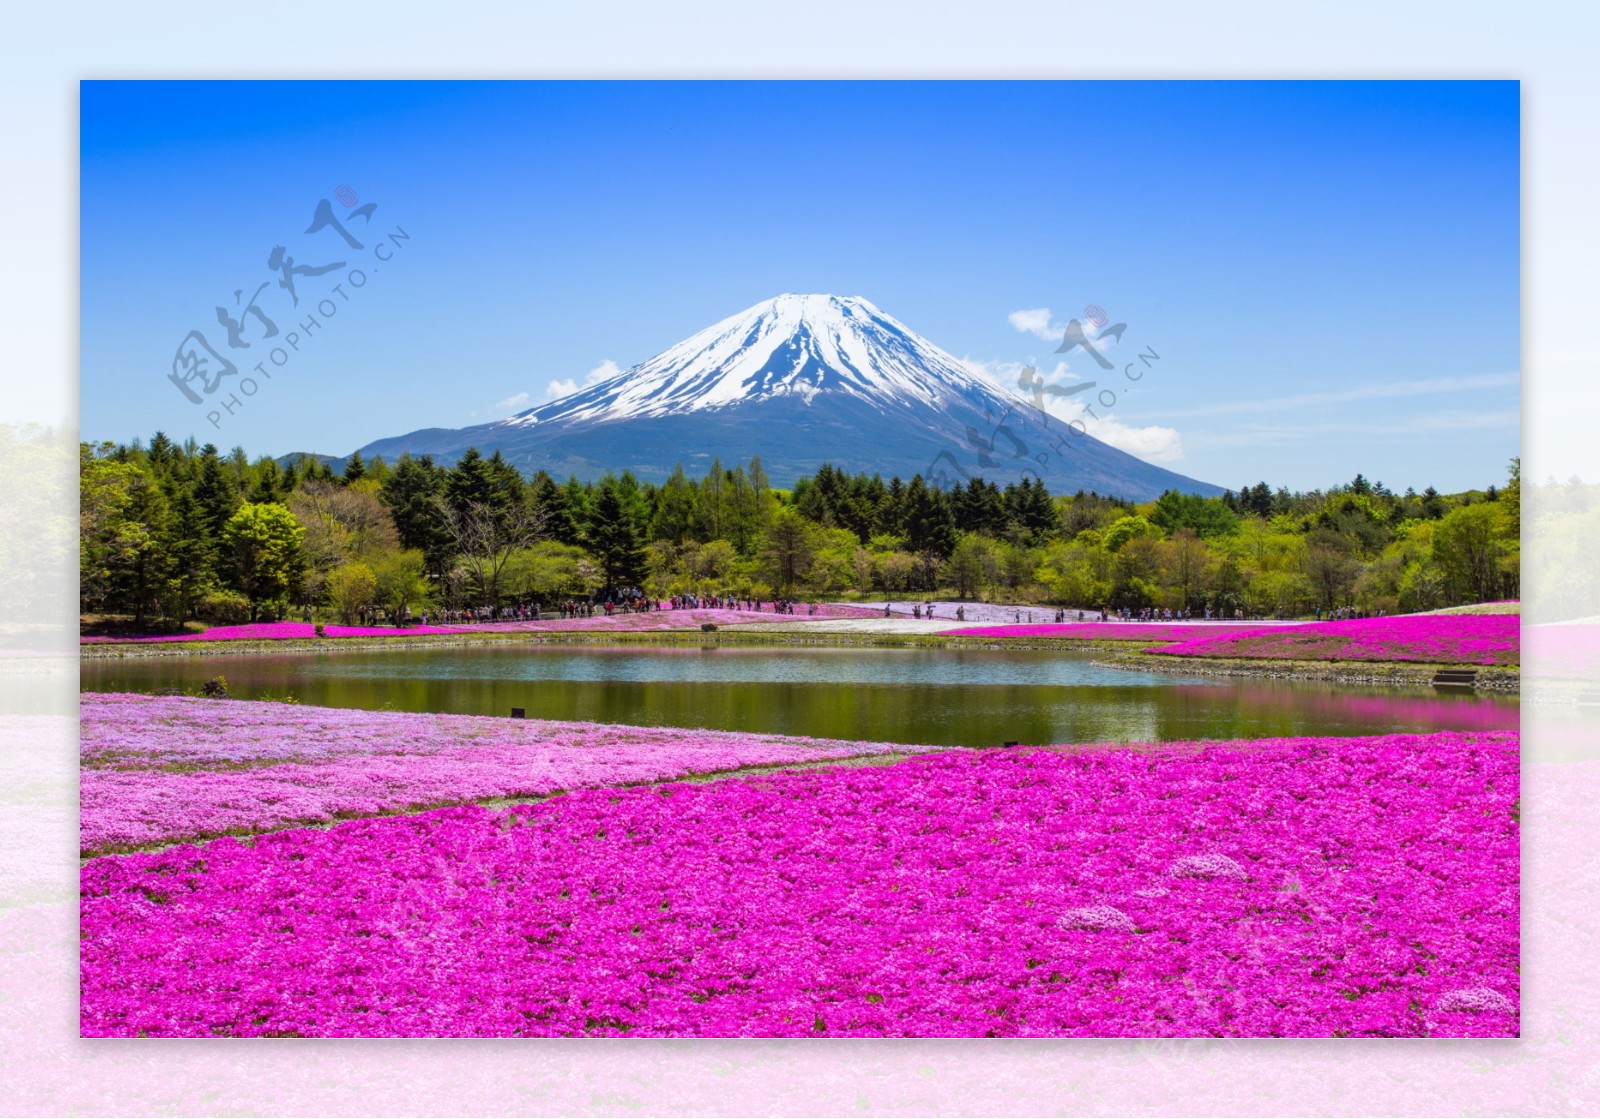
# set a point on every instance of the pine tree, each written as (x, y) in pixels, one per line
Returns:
(930, 526)
(613, 536)
(550, 497)
(673, 516)
(412, 491)
(215, 492)
(193, 555)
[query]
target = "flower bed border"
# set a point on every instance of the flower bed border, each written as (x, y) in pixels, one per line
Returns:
(1410, 674)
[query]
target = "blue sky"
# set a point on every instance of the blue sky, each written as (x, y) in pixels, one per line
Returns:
(1329, 271)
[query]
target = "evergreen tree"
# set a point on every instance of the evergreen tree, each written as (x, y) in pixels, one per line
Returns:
(550, 497)
(612, 535)
(268, 484)
(215, 492)
(930, 526)
(674, 513)
(412, 492)
(192, 552)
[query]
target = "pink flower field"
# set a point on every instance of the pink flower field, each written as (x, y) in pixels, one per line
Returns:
(271, 631)
(1487, 639)
(692, 618)
(1284, 887)
(1108, 631)
(157, 770)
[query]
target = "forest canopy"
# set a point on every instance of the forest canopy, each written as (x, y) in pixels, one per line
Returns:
(177, 532)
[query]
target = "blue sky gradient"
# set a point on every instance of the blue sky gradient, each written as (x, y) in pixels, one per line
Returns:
(1330, 271)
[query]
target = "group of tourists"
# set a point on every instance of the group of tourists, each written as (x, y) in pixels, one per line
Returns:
(787, 606)
(377, 616)
(517, 612)
(1156, 614)
(1344, 614)
(710, 602)
(732, 602)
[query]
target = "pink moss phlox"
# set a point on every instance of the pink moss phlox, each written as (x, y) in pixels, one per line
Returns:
(159, 769)
(945, 895)
(1484, 639)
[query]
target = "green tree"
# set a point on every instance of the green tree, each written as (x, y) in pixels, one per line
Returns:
(674, 515)
(215, 491)
(613, 538)
(262, 546)
(401, 581)
(929, 523)
(1207, 517)
(789, 549)
(1468, 544)
(352, 588)
(413, 491)
(192, 554)
(1125, 529)
(972, 565)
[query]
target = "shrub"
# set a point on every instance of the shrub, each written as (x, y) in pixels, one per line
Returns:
(224, 608)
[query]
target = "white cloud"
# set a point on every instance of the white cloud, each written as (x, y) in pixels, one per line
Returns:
(559, 388)
(1038, 322)
(514, 403)
(1035, 321)
(606, 369)
(1154, 443)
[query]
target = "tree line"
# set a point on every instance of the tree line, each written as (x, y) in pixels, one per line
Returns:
(175, 532)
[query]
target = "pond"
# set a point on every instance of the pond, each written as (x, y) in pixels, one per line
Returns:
(967, 697)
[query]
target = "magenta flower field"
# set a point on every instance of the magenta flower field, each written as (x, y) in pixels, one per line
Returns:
(1486, 639)
(1107, 631)
(1286, 887)
(270, 631)
(691, 618)
(163, 769)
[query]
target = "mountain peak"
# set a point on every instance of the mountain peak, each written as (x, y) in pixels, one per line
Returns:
(802, 380)
(792, 345)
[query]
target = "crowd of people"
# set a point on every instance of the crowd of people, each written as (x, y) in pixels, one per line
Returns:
(634, 601)
(631, 601)
(517, 612)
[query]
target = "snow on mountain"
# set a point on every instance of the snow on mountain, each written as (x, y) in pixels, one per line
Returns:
(802, 380)
(794, 346)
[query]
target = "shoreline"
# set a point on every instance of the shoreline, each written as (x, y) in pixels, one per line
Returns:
(110, 650)
(1413, 674)
(1491, 678)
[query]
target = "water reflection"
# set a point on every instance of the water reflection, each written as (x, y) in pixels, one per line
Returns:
(947, 697)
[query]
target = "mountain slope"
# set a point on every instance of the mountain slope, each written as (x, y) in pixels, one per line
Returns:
(801, 380)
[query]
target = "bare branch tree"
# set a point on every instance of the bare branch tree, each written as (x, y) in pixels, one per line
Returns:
(486, 538)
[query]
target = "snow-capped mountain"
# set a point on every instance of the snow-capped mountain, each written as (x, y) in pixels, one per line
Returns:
(795, 346)
(801, 380)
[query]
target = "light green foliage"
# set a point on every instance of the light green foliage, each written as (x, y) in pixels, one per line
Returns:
(162, 527)
(352, 588)
(262, 546)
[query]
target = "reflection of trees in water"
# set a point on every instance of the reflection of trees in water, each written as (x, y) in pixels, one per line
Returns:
(930, 713)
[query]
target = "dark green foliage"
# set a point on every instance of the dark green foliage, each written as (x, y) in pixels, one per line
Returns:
(153, 541)
(612, 535)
